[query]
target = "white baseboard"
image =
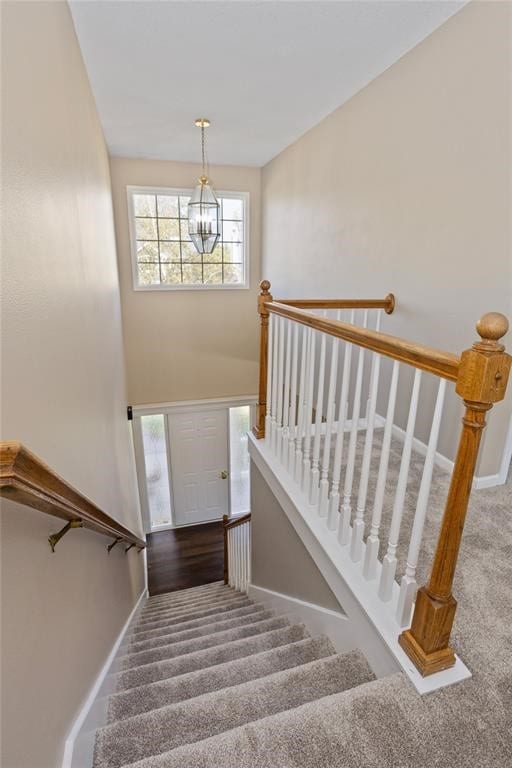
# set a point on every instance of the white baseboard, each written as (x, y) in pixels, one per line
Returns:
(318, 620)
(443, 462)
(79, 744)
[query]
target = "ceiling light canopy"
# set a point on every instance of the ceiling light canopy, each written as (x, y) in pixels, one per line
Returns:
(203, 208)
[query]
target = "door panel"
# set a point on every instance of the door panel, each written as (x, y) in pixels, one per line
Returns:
(199, 454)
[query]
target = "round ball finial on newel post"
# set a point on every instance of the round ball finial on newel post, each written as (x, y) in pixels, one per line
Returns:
(491, 328)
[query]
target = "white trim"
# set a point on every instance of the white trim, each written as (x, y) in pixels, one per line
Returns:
(243, 196)
(507, 455)
(167, 409)
(373, 620)
(487, 481)
(318, 620)
(90, 718)
(420, 447)
(443, 462)
(180, 406)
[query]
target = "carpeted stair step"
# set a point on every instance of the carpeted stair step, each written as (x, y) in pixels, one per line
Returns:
(357, 727)
(208, 657)
(159, 694)
(237, 602)
(169, 727)
(162, 652)
(258, 614)
(183, 595)
(182, 626)
(149, 609)
(180, 593)
(186, 607)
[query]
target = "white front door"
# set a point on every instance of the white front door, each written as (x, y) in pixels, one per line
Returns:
(199, 465)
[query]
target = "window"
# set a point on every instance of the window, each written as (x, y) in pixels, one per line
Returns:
(164, 257)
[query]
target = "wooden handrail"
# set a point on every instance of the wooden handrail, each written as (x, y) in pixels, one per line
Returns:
(387, 304)
(227, 524)
(266, 304)
(27, 480)
(233, 522)
(443, 364)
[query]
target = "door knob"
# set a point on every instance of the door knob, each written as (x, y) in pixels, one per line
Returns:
(224, 474)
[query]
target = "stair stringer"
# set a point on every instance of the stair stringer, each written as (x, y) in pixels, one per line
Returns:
(371, 622)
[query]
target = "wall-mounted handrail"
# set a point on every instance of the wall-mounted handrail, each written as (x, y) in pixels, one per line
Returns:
(27, 480)
(387, 304)
(291, 408)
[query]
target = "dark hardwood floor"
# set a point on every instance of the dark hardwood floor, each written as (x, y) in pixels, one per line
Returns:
(185, 557)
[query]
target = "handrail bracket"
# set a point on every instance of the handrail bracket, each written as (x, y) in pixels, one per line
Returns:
(56, 537)
(116, 541)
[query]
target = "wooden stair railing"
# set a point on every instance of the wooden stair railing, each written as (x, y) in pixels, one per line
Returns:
(242, 554)
(480, 375)
(27, 480)
(266, 304)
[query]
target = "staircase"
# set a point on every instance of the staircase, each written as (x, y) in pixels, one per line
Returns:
(203, 661)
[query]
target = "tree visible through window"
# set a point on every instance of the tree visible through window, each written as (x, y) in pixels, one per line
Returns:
(162, 252)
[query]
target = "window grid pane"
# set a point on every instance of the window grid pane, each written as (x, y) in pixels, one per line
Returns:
(171, 258)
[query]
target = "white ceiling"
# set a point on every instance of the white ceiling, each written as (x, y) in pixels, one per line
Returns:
(264, 72)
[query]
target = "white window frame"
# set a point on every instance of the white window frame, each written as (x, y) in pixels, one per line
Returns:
(244, 196)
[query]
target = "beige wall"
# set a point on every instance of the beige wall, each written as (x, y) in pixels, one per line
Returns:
(63, 385)
(407, 188)
(280, 561)
(187, 345)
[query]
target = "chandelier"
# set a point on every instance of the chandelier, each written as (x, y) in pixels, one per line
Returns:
(203, 208)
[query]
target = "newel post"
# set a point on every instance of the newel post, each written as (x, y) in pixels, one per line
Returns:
(482, 381)
(264, 297)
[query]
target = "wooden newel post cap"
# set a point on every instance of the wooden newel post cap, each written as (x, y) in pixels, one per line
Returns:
(265, 287)
(484, 369)
(491, 328)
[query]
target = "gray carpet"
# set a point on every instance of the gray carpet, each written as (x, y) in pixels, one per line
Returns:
(275, 698)
(211, 670)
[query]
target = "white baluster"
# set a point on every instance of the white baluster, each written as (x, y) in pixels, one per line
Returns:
(292, 418)
(310, 376)
(302, 406)
(373, 542)
(230, 559)
(268, 417)
(331, 407)
(249, 545)
(239, 556)
(356, 547)
(235, 565)
(286, 396)
(334, 500)
(389, 562)
(273, 407)
(346, 512)
(408, 586)
(280, 379)
(315, 471)
(242, 542)
(245, 557)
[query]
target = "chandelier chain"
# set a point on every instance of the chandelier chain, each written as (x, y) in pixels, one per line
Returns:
(203, 149)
